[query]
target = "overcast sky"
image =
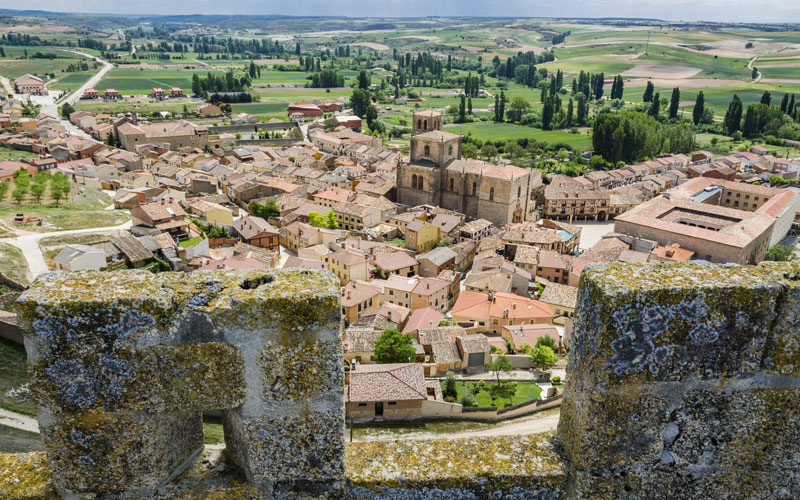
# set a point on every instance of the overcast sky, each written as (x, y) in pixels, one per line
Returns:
(676, 10)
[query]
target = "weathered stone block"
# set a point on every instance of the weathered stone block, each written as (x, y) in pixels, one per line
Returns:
(93, 452)
(267, 448)
(159, 378)
(666, 322)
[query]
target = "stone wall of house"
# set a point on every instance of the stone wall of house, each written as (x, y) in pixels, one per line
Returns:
(684, 382)
(122, 364)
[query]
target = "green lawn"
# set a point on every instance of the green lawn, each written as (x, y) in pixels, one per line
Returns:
(191, 242)
(504, 131)
(525, 392)
(8, 154)
(13, 373)
(212, 433)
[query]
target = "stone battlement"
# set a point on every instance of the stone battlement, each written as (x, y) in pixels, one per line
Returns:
(684, 382)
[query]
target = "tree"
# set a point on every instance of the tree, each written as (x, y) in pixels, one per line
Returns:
(766, 98)
(545, 340)
(777, 180)
(265, 211)
(655, 106)
(780, 253)
(316, 219)
(648, 92)
(517, 107)
(56, 193)
(500, 365)
(733, 117)
(462, 109)
(371, 115)
(699, 108)
(394, 346)
(18, 194)
(469, 150)
(197, 89)
(583, 108)
(469, 105)
(359, 102)
(674, 103)
(66, 110)
(449, 389)
(332, 223)
(363, 80)
(37, 190)
(547, 113)
(569, 113)
(488, 151)
(543, 357)
(4, 186)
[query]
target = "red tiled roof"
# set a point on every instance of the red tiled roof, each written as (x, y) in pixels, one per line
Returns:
(389, 382)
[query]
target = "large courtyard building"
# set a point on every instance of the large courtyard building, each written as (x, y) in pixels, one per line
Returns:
(721, 221)
(437, 175)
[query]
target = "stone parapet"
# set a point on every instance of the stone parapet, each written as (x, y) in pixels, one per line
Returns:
(122, 364)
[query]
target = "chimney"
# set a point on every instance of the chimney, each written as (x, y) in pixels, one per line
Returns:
(513, 306)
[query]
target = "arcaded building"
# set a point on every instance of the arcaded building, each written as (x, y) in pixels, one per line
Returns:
(437, 175)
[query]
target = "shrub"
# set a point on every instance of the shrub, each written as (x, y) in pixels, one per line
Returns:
(450, 385)
(468, 399)
(556, 379)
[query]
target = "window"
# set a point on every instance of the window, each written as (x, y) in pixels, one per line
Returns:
(519, 191)
(392, 403)
(474, 188)
(452, 184)
(426, 124)
(495, 321)
(362, 404)
(414, 181)
(419, 123)
(491, 194)
(421, 184)
(450, 150)
(427, 150)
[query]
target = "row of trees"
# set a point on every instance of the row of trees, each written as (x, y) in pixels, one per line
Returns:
(213, 83)
(23, 185)
(630, 137)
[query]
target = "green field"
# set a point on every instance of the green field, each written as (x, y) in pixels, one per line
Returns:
(71, 81)
(40, 67)
(260, 108)
(506, 131)
(141, 80)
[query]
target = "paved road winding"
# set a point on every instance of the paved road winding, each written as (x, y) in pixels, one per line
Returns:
(28, 242)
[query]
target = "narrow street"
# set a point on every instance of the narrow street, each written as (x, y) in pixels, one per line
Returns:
(541, 422)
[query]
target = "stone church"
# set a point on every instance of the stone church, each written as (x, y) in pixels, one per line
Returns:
(437, 175)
